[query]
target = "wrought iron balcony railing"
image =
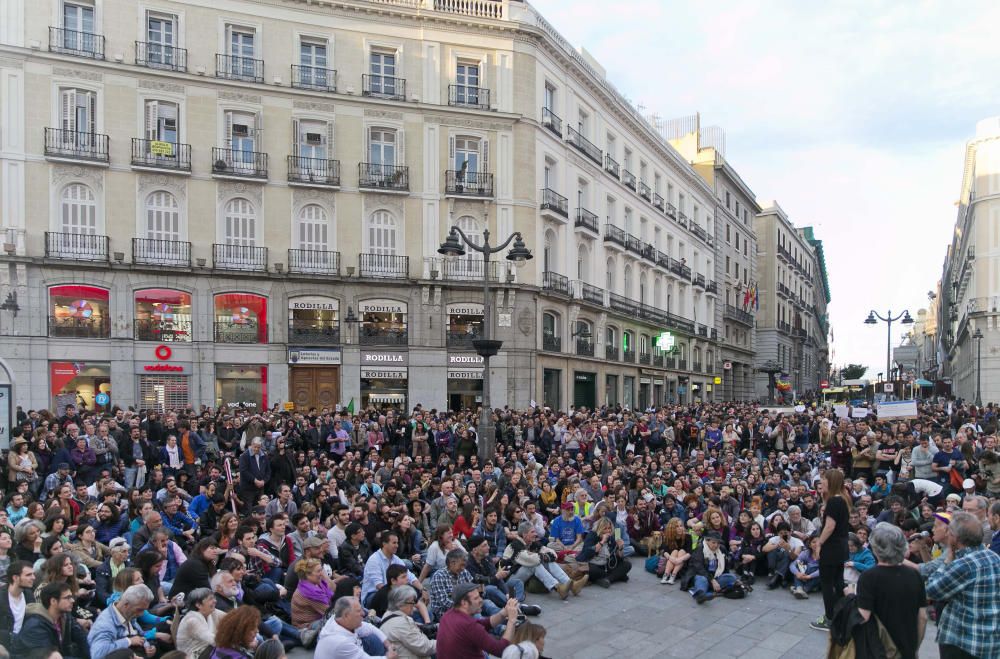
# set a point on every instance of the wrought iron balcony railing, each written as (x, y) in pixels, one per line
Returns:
(383, 336)
(239, 163)
(468, 184)
(235, 67)
(153, 251)
(75, 42)
(586, 220)
(555, 282)
(375, 176)
(239, 257)
(555, 202)
(383, 266)
(551, 121)
(75, 145)
(551, 343)
(313, 332)
(314, 77)
(76, 246)
(314, 262)
(467, 96)
(319, 172)
(380, 86)
(155, 55)
(162, 331)
(80, 328)
(156, 154)
(588, 148)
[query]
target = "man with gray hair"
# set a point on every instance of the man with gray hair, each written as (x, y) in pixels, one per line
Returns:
(400, 627)
(965, 579)
(529, 558)
(115, 628)
(347, 636)
(892, 592)
(978, 506)
(255, 470)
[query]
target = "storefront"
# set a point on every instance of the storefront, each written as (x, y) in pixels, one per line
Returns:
(383, 323)
(628, 392)
(552, 388)
(658, 399)
(314, 377)
(240, 318)
(584, 390)
(313, 320)
(384, 379)
(163, 315)
(241, 385)
(84, 384)
(611, 390)
(163, 377)
(644, 391)
(465, 324)
(79, 312)
(465, 381)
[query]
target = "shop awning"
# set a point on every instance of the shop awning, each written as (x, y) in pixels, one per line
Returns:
(924, 383)
(386, 398)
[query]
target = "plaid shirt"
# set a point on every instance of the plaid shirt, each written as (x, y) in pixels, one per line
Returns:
(968, 584)
(440, 587)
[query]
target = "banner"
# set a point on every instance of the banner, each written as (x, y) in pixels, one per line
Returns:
(900, 409)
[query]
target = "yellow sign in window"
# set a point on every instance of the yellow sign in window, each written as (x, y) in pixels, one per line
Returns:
(158, 148)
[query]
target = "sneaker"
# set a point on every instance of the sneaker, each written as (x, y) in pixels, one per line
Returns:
(578, 584)
(800, 593)
(665, 578)
(672, 580)
(820, 624)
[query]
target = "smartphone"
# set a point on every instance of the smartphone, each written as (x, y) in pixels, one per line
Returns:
(618, 534)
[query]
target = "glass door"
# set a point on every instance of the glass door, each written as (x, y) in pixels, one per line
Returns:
(78, 27)
(242, 139)
(160, 40)
(312, 63)
(467, 88)
(383, 73)
(241, 48)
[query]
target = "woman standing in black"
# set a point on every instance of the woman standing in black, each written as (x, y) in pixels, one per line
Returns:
(833, 543)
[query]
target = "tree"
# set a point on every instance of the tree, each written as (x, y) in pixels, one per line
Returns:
(853, 371)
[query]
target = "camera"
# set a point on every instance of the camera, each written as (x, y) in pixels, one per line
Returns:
(481, 580)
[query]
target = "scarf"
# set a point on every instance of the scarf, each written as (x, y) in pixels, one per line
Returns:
(720, 558)
(317, 592)
(173, 457)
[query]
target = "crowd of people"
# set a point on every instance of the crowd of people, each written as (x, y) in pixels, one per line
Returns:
(222, 534)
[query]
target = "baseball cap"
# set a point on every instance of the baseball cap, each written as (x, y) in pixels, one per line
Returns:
(944, 517)
(567, 506)
(460, 591)
(968, 484)
(476, 540)
(258, 510)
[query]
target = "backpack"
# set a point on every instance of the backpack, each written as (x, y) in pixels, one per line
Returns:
(735, 592)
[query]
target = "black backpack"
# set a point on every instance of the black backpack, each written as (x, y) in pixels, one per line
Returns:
(735, 592)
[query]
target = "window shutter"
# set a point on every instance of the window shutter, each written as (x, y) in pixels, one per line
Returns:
(69, 110)
(329, 140)
(484, 156)
(295, 137)
(152, 118)
(228, 129)
(451, 153)
(92, 112)
(400, 147)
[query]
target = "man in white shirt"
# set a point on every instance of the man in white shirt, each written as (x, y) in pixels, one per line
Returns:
(14, 599)
(347, 636)
(337, 535)
(781, 550)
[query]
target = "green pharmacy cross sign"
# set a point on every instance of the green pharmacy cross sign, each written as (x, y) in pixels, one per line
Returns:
(665, 341)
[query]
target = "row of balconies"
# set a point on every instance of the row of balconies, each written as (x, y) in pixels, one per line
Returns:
(785, 254)
(165, 57)
(627, 178)
(615, 236)
(586, 348)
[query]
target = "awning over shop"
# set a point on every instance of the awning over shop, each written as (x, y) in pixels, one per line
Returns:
(924, 383)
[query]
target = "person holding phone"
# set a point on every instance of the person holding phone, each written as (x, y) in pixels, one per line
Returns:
(603, 550)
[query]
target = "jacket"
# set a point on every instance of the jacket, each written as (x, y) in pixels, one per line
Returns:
(250, 470)
(853, 638)
(108, 634)
(7, 616)
(103, 581)
(409, 641)
(39, 631)
(697, 566)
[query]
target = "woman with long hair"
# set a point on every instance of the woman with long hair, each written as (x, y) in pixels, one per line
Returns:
(604, 554)
(236, 634)
(466, 522)
(833, 551)
(753, 562)
(676, 550)
(444, 541)
(715, 520)
(87, 549)
(226, 535)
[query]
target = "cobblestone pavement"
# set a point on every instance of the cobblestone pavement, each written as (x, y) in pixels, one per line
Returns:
(643, 618)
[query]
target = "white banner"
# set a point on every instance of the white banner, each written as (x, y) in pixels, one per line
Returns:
(900, 409)
(313, 302)
(381, 306)
(383, 374)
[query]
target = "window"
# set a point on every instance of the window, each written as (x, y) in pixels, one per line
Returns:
(382, 146)
(727, 233)
(727, 200)
(241, 138)
(627, 159)
(583, 123)
(549, 98)
(627, 282)
(628, 342)
(312, 138)
(79, 311)
(78, 17)
(727, 265)
(468, 154)
(161, 39)
(240, 223)
(162, 216)
(467, 82)
(382, 67)
(609, 278)
(161, 121)
(78, 210)
(611, 337)
(313, 228)
(550, 324)
(382, 234)
(79, 111)
(162, 315)
(583, 263)
(469, 265)
(241, 44)
(642, 289)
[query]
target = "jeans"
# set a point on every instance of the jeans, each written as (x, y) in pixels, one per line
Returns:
(550, 574)
(273, 625)
(777, 562)
(703, 585)
(498, 595)
(130, 476)
(373, 646)
(809, 585)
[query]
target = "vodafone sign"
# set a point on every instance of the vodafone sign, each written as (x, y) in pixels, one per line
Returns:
(163, 355)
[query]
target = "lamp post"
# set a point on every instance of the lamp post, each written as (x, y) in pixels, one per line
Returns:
(486, 347)
(888, 319)
(978, 336)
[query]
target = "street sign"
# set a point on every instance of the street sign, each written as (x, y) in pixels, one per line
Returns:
(824, 384)
(102, 399)
(718, 380)
(887, 387)
(728, 366)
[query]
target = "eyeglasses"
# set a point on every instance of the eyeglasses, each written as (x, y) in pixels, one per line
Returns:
(68, 597)
(410, 603)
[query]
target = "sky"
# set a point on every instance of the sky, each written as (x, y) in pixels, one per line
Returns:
(853, 116)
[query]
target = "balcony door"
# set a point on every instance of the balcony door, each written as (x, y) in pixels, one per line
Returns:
(381, 151)
(467, 84)
(313, 63)
(161, 39)
(78, 26)
(242, 51)
(382, 67)
(466, 155)
(79, 117)
(241, 138)
(241, 223)
(382, 234)
(311, 139)
(161, 126)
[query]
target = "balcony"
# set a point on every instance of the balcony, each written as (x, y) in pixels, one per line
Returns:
(468, 268)
(612, 167)
(155, 155)
(699, 233)
(314, 262)
(658, 360)
(555, 283)
(313, 172)
(585, 347)
(783, 290)
(648, 312)
(670, 362)
(387, 87)
(586, 220)
(162, 331)
(152, 251)
(313, 332)
(679, 322)
(588, 148)
(614, 235)
(462, 183)
(551, 343)
(80, 328)
(703, 331)
(239, 257)
(682, 219)
(554, 204)
(799, 333)
(783, 327)
(314, 77)
(696, 367)
(699, 280)
(628, 178)
(73, 42)
(162, 56)
(645, 192)
(240, 164)
(623, 305)
(551, 121)
(713, 334)
(234, 67)
(633, 244)
(383, 178)
(587, 293)
(383, 266)
(462, 339)
(645, 358)
(76, 247)
(383, 336)
(250, 331)
(671, 211)
(71, 145)
(739, 315)
(712, 287)
(467, 96)
(628, 356)
(682, 364)
(611, 353)
(657, 201)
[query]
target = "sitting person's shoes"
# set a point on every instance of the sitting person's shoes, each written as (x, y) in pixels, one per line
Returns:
(774, 582)
(800, 593)
(701, 598)
(563, 589)
(578, 584)
(603, 583)
(530, 609)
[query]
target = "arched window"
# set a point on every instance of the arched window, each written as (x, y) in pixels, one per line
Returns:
(658, 293)
(313, 228)
(611, 337)
(627, 282)
(382, 234)
(469, 266)
(78, 210)
(550, 324)
(241, 222)
(709, 360)
(583, 263)
(642, 289)
(550, 255)
(163, 219)
(609, 282)
(696, 356)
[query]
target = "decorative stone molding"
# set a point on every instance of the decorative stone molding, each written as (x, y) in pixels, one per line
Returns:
(457, 122)
(383, 114)
(255, 193)
(79, 74)
(147, 183)
(63, 174)
(239, 97)
(315, 106)
(7, 63)
(393, 203)
(161, 86)
(526, 322)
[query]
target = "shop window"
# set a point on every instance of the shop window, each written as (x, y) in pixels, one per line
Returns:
(241, 386)
(84, 384)
(465, 324)
(77, 311)
(162, 315)
(240, 318)
(163, 392)
(314, 320)
(383, 322)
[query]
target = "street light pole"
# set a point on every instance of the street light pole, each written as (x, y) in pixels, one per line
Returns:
(978, 336)
(888, 319)
(486, 347)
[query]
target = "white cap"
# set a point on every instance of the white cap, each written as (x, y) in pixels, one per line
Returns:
(968, 484)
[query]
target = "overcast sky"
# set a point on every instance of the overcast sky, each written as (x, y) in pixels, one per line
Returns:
(852, 115)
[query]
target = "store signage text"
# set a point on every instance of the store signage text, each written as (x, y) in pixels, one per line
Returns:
(465, 375)
(382, 375)
(314, 356)
(382, 307)
(384, 359)
(161, 368)
(465, 359)
(466, 310)
(313, 303)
